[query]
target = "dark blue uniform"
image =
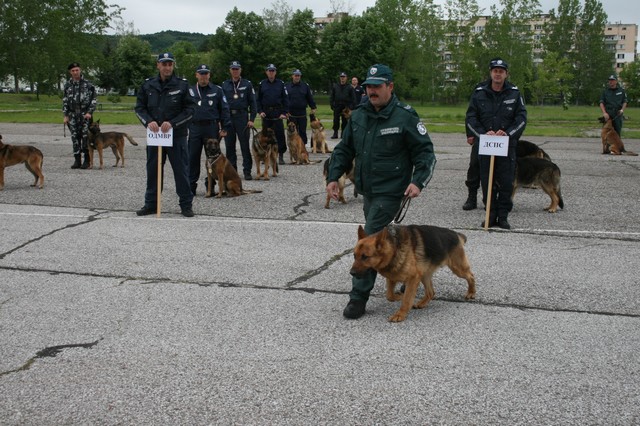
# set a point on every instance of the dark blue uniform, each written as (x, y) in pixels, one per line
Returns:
(242, 104)
(210, 116)
(273, 101)
(342, 96)
(300, 95)
(504, 110)
(167, 101)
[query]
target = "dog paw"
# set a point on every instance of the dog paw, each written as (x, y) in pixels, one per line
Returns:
(397, 317)
(469, 296)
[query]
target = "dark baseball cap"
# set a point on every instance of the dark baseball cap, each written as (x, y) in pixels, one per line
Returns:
(378, 74)
(73, 65)
(343, 74)
(498, 63)
(235, 64)
(296, 72)
(613, 77)
(166, 57)
(271, 67)
(203, 69)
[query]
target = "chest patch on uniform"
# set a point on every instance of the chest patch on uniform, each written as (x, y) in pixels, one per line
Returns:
(421, 128)
(175, 92)
(211, 95)
(509, 101)
(390, 131)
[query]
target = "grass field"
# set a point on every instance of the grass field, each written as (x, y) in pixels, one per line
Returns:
(578, 121)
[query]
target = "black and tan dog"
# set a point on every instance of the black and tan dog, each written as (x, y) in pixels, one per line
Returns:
(611, 142)
(265, 150)
(220, 169)
(99, 140)
(412, 254)
(318, 139)
(297, 151)
(530, 149)
(542, 173)
(349, 174)
(32, 157)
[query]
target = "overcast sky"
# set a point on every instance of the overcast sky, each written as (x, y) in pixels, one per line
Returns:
(205, 16)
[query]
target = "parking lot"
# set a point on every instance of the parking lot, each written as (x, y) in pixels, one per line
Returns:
(235, 316)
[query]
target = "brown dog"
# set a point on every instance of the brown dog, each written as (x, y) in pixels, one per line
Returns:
(542, 173)
(100, 141)
(32, 157)
(297, 151)
(318, 139)
(220, 169)
(346, 113)
(265, 150)
(411, 254)
(611, 142)
(349, 174)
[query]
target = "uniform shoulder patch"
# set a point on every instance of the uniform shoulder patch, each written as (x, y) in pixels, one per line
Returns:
(422, 129)
(191, 92)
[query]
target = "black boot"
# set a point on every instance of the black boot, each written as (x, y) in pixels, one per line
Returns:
(335, 135)
(85, 164)
(76, 163)
(472, 200)
(280, 159)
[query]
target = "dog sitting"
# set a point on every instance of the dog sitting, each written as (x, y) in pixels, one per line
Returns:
(611, 142)
(297, 151)
(349, 174)
(32, 157)
(100, 141)
(318, 139)
(412, 254)
(220, 169)
(346, 113)
(265, 150)
(541, 172)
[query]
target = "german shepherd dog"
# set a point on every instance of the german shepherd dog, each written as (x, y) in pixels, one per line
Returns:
(412, 254)
(297, 151)
(265, 149)
(611, 142)
(346, 113)
(541, 172)
(318, 139)
(100, 141)
(220, 169)
(32, 157)
(349, 174)
(530, 149)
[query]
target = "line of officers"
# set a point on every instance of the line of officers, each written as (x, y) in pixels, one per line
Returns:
(229, 111)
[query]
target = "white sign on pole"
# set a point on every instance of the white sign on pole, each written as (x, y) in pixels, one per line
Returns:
(494, 145)
(159, 138)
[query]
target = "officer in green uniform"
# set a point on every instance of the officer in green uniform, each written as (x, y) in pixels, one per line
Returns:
(393, 156)
(613, 102)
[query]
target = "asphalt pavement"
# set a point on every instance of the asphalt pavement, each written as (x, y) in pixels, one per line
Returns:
(234, 317)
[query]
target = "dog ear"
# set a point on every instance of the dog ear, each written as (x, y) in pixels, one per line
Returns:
(361, 233)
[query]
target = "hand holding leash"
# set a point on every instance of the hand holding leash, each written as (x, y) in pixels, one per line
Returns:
(402, 212)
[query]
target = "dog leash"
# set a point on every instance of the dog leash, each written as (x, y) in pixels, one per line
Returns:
(402, 212)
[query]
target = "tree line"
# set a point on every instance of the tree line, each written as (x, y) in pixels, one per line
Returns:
(437, 53)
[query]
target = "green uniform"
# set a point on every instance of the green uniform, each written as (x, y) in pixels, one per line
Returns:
(613, 101)
(391, 149)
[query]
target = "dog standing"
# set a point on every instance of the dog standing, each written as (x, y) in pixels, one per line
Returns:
(611, 142)
(543, 173)
(530, 149)
(265, 149)
(32, 157)
(297, 151)
(349, 174)
(318, 139)
(411, 254)
(100, 141)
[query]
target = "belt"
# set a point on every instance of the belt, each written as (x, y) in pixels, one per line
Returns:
(204, 122)
(238, 111)
(273, 108)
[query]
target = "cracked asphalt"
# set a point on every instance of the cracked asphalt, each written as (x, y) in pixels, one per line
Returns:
(234, 317)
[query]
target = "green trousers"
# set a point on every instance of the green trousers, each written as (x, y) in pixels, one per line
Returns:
(378, 213)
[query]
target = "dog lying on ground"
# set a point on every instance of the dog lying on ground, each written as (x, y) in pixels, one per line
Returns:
(297, 151)
(220, 169)
(341, 182)
(530, 149)
(411, 254)
(541, 172)
(318, 139)
(32, 157)
(611, 142)
(265, 150)
(99, 140)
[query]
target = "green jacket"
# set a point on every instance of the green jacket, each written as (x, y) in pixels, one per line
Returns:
(613, 100)
(391, 149)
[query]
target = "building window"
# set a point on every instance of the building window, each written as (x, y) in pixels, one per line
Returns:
(620, 56)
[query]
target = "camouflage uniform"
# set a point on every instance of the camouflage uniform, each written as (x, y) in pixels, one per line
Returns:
(79, 99)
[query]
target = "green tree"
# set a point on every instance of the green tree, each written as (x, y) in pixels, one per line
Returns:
(133, 62)
(630, 77)
(301, 39)
(553, 80)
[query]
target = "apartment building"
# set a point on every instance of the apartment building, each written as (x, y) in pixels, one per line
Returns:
(622, 41)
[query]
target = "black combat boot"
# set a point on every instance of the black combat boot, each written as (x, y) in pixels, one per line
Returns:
(472, 200)
(85, 164)
(280, 159)
(76, 163)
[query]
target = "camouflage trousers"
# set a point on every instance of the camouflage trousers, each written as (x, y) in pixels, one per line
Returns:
(79, 128)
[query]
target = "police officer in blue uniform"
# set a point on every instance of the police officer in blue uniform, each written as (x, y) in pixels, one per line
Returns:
(300, 95)
(273, 107)
(210, 120)
(164, 103)
(497, 108)
(242, 104)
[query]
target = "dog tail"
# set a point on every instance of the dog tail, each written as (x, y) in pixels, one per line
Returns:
(250, 191)
(131, 140)
(630, 153)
